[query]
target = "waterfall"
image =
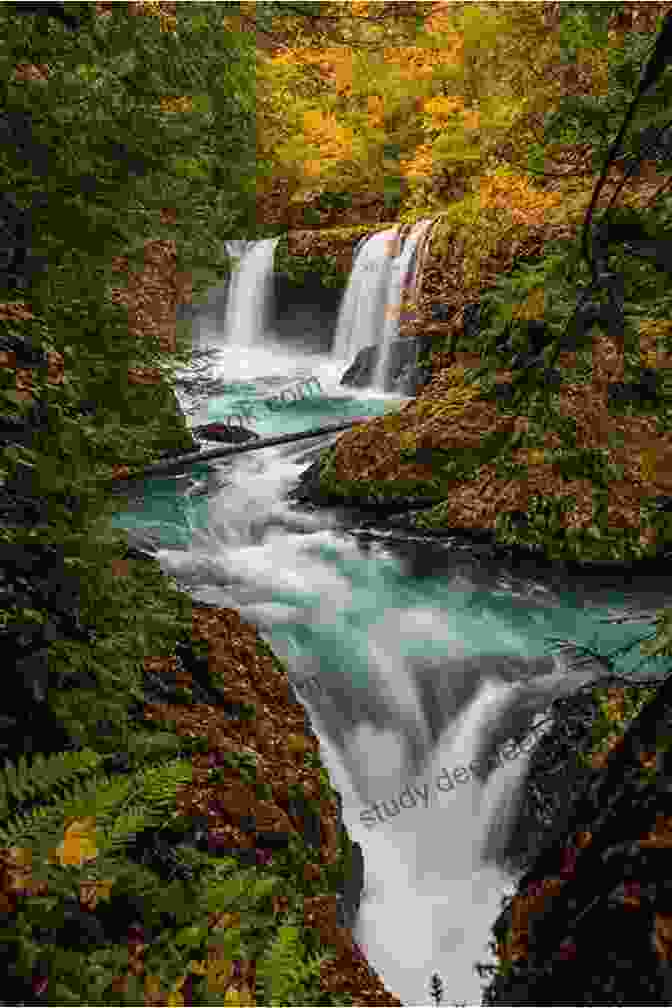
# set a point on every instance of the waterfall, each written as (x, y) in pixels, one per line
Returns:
(250, 292)
(383, 268)
(362, 309)
(423, 855)
(400, 280)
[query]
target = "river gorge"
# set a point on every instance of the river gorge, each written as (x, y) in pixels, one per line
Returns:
(414, 655)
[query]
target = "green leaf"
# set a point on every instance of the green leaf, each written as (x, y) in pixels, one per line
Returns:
(192, 936)
(191, 168)
(11, 395)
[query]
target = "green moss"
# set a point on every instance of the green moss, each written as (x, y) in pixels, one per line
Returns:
(324, 263)
(300, 268)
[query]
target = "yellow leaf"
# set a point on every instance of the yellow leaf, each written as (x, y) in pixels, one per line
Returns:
(311, 169)
(533, 306)
(647, 466)
(198, 967)
(152, 986)
(92, 891)
(179, 103)
(242, 997)
(78, 844)
(536, 457)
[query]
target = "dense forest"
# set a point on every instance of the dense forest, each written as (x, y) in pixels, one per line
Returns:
(137, 137)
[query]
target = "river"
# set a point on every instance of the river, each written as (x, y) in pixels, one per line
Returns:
(411, 655)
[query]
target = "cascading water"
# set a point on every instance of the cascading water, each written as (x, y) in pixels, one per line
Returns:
(361, 314)
(420, 657)
(250, 292)
(400, 279)
(369, 315)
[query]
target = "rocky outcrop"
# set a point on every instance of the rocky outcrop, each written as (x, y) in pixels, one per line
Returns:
(306, 312)
(361, 371)
(601, 869)
(405, 376)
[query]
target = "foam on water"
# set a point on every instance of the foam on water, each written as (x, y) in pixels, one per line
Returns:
(358, 622)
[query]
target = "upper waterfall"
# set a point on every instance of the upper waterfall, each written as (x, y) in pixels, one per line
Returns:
(384, 269)
(250, 292)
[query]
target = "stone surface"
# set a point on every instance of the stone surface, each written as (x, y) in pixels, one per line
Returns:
(227, 433)
(306, 313)
(404, 375)
(360, 372)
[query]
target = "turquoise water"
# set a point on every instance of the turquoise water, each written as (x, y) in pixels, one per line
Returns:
(481, 619)
(291, 417)
(172, 515)
(352, 614)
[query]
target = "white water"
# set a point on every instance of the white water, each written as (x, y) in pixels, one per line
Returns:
(369, 311)
(362, 310)
(359, 622)
(400, 278)
(249, 304)
(429, 901)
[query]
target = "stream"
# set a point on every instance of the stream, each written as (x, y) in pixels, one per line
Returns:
(411, 655)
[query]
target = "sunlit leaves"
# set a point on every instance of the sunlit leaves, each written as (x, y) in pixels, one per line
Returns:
(440, 111)
(513, 193)
(181, 103)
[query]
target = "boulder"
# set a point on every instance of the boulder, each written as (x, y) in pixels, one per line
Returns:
(440, 312)
(404, 375)
(361, 371)
(402, 366)
(227, 433)
(475, 318)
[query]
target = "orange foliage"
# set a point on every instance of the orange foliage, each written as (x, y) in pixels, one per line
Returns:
(514, 193)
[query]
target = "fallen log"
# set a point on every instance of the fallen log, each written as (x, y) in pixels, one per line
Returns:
(179, 463)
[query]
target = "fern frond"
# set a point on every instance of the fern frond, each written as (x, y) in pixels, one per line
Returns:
(280, 966)
(22, 782)
(97, 797)
(225, 894)
(147, 746)
(155, 790)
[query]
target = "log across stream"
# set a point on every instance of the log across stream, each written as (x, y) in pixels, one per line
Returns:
(181, 462)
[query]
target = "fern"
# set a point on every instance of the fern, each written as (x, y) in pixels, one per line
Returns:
(45, 775)
(222, 895)
(279, 969)
(97, 797)
(156, 789)
(150, 745)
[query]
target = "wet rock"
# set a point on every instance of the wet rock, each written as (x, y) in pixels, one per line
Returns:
(361, 371)
(404, 376)
(440, 312)
(350, 887)
(402, 361)
(226, 433)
